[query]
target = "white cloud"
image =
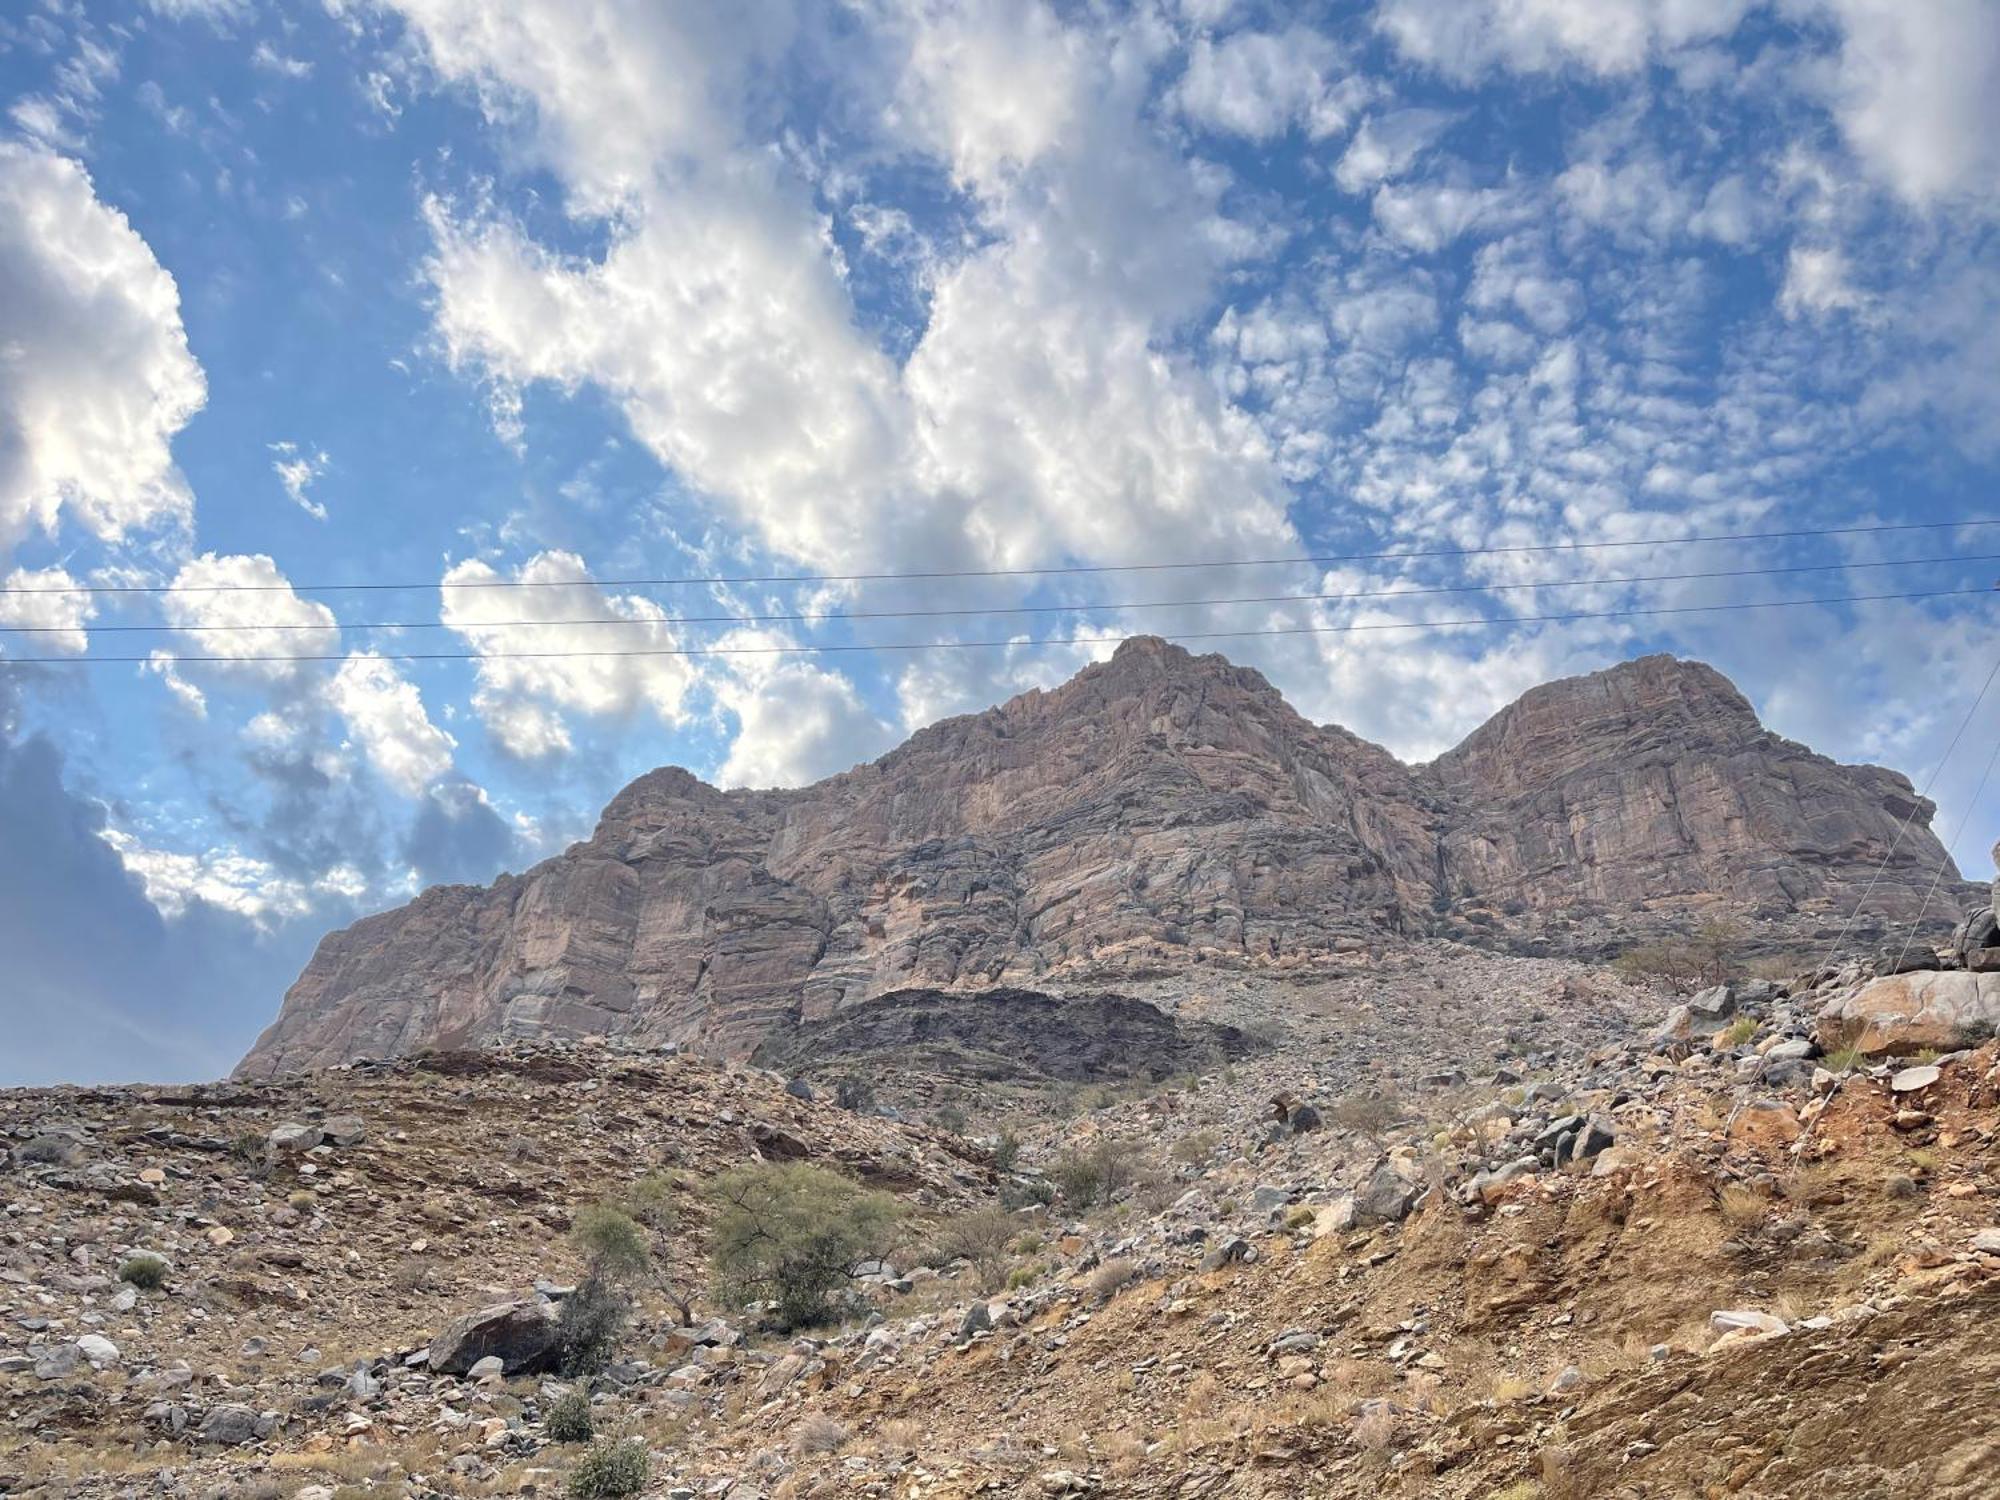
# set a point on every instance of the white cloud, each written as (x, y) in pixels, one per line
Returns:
(944, 683)
(296, 469)
(1385, 146)
(1261, 84)
(385, 714)
(211, 10)
(534, 673)
(1464, 38)
(1004, 88)
(1428, 216)
(243, 607)
(162, 665)
(1916, 87)
(95, 373)
(1816, 282)
(56, 619)
(269, 59)
(796, 721)
(221, 877)
(1038, 414)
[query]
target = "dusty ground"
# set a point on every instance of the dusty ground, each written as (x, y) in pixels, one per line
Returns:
(1553, 1338)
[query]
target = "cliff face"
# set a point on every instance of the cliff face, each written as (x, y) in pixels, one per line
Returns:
(1157, 811)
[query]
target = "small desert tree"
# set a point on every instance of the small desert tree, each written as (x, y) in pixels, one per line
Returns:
(1096, 1172)
(983, 1237)
(1369, 1113)
(793, 1234)
(593, 1316)
(649, 1203)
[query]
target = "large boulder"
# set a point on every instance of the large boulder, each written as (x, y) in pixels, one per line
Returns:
(1385, 1198)
(1906, 1013)
(522, 1334)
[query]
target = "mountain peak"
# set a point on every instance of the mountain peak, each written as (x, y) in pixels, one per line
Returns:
(1161, 813)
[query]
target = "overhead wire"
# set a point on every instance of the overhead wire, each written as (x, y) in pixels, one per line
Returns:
(1082, 607)
(1049, 570)
(833, 648)
(1923, 793)
(1944, 861)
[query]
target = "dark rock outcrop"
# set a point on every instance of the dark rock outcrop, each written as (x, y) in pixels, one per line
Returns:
(1159, 813)
(1007, 1035)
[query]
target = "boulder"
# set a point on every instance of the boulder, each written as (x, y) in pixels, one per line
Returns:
(1489, 1187)
(346, 1130)
(232, 1425)
(1746, 1321)
(1715, 1004)
(293, 1137)
(1337, 1217)
(1905, 1013)
(522, 1334)
(98, 1349)
(1915, 1080)
(1385, 1197)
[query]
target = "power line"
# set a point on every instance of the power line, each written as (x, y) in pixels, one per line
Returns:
(1957, 833)
(950, 573)
(1833, 949)
(1010, 609)
(162, 658)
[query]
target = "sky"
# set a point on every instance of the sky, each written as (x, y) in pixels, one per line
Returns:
(315, 316)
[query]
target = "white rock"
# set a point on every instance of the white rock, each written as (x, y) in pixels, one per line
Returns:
(98, 1349)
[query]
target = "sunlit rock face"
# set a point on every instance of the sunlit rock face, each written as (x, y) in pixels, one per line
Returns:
(1158, 813)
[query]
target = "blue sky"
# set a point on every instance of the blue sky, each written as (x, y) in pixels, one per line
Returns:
(434, 292)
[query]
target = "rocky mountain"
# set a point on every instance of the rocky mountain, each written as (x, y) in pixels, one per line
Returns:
(1160, 813)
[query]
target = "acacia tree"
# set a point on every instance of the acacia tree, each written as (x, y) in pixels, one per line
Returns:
(792, 1234)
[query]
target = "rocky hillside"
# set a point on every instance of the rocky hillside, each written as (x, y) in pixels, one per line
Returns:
(1477, 1227)
(1159, 813)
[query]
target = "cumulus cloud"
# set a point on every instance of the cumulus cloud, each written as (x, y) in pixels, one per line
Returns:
(1816, 282)
(240, 608)
(1037, 416)
(49, 617)
(1916, 87)
(95, 373)
(796, 720)
(1261, 84)
(222, 878)
(385, 715)
(536, 644)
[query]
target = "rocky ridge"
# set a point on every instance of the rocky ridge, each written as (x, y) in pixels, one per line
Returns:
(1160, 813)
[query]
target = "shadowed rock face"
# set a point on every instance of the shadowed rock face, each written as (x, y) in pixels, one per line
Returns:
(1157, 811)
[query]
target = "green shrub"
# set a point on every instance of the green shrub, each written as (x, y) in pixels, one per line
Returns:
(145, 1271)
(1095, 1173)
(981, 1237)
(854, 1093)
(609, 1470)
(1842, 1060)
(616, 1243)
(589, 1326)
(791, 1234)
(1369, 1113)
(1739, 1031)
(1006, 1152)
(569, 1419)
(1022, 1276)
